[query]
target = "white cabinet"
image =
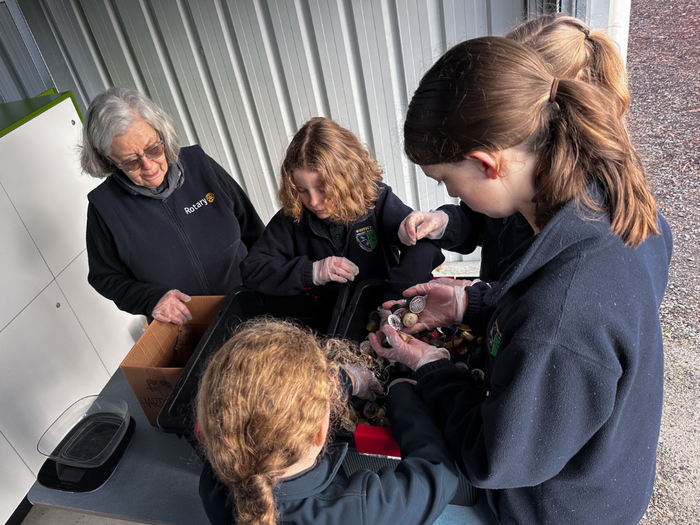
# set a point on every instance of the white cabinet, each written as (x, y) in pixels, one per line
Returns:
(59, 339)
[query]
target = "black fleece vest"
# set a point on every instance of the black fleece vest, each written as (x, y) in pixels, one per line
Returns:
(190, 241)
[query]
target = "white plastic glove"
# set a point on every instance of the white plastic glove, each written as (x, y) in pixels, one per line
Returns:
(171, 308)
(332, 268)
(364, 383)
(419, 224)
(445, 305)
(413, 354)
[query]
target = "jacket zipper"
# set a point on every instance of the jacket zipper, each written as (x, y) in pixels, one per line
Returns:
(201, 275)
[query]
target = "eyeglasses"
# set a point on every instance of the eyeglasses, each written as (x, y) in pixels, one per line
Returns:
(152, 153)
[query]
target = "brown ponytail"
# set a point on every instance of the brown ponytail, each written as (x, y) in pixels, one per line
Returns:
(261, 401)
(492, 94)
(574, 51)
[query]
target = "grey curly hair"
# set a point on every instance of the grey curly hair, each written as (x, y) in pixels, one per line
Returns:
(111, 114)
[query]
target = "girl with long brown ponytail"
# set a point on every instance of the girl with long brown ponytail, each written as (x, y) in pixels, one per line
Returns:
(566, 427)
(571, 50)
(265, 404)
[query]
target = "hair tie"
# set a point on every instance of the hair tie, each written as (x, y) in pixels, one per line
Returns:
(553, 89)
(587, 32)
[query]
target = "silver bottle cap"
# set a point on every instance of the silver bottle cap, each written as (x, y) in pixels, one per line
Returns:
(395, 322)
(417, 304)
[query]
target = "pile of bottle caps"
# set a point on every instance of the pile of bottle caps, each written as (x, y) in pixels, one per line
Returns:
(466, 351)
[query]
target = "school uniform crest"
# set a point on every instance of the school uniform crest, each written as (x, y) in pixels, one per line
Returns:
(367, 238)
(494, 339)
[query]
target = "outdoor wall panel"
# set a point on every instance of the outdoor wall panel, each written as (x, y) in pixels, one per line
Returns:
(114, 47)
(333, 27)
(240, 76)
(19, 77)
(78, 45)
(55, 57)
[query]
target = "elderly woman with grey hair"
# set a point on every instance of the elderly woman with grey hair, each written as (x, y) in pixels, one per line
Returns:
(167, 221)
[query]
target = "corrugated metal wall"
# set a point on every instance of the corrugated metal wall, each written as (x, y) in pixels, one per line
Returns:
(22, 70)
(239, 77)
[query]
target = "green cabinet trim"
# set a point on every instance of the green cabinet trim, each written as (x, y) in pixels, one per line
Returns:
(14, 114)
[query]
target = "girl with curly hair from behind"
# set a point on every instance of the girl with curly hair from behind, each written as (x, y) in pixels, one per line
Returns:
(265, 405)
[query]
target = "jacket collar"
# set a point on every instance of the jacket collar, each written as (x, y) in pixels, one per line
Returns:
(574, 228)
(314, 223)
(314, 480)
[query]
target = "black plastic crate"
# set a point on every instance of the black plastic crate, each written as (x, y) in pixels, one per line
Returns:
(318, 308)
(366, 297)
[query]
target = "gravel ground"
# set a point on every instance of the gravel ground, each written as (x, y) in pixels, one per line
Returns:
(664, 74)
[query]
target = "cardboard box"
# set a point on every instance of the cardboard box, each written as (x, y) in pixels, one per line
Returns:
(154, 364)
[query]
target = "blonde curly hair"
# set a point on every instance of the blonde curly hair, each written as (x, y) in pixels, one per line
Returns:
(347, 171)
(261, 401)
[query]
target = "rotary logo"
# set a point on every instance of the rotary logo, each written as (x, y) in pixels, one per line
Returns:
(209, 197)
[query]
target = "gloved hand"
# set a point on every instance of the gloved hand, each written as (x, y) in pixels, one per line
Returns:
(384, 314)
(413, 354)
(444, 305)
(364, 384)
(332, 268)
(419, 224)
(171, 309)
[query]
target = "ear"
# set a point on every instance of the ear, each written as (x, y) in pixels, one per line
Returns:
(486, 163)
(320, 437)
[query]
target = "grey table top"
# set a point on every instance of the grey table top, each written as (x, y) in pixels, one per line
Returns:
(156, 480)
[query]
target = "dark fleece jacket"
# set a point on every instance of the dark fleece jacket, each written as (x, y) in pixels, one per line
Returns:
(139, 247)
(281, 262)
(415, 493)
(567, 426)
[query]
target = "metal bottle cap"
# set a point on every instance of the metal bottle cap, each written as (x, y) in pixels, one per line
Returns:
(371, 409)
(417, 304)
(409, 319)
(395, 322)
(407, 338)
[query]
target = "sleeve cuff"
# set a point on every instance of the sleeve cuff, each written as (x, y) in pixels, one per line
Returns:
(308, 277)
(429, 367)
(345, 381)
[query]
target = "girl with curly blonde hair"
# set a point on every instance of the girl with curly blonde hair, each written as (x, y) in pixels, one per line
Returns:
(266, 402)
(338, 221)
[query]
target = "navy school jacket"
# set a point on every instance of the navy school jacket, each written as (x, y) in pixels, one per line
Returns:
(415, 493)
(567, 426)
(498, 238)
(281, 262)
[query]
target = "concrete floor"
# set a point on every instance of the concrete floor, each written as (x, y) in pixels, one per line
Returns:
(458, 269)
